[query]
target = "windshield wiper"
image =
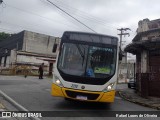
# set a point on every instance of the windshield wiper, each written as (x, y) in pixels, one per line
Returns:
(81, 53)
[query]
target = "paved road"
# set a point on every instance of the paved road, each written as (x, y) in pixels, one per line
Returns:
(34, 95)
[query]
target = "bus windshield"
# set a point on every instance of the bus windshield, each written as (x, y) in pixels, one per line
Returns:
(87, 60)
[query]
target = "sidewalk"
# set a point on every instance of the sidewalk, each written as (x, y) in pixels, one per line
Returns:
(132, 96)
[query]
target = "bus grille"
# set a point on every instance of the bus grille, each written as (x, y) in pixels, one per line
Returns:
(90, 96)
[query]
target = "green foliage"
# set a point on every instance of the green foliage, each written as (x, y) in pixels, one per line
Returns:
(3, 35)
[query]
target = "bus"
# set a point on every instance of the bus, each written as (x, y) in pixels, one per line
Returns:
(86, 67)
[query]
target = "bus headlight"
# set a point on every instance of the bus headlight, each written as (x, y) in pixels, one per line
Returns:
(109, 87)
(58, 82)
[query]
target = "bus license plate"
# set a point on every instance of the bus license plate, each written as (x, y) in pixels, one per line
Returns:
(81, 97)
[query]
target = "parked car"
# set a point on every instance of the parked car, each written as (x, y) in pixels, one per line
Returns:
(131, 83)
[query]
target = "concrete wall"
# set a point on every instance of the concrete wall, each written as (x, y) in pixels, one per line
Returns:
(143, 25)
(38, 43)
(143, 61)
(2, 61)
(146, 24)
(8, 61)
(13, 57)
(32, 60)
(29, 49)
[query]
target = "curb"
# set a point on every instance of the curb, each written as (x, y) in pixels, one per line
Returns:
(136, 102)
(15, 104)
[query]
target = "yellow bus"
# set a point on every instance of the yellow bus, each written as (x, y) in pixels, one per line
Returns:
(86, 67)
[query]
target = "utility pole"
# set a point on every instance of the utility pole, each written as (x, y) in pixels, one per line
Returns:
(121, 66)
(123, 32)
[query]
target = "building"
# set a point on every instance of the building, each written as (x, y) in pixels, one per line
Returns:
(27, 50)
(126, 69)
(131, 68)
(146, 46)
(122, 75)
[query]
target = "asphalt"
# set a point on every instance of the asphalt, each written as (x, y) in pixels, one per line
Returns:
(125, 93)
(132, 96)
(8, 104)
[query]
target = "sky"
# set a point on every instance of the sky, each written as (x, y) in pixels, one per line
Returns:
(103, 16)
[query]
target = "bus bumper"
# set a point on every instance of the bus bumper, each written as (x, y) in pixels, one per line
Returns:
(88, 95)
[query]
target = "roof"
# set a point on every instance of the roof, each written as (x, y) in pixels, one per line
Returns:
(138, 44)
(136, 47)
(137, 37)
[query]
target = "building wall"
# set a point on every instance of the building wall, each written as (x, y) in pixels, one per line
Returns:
(126, 69)
(146, 25)
(130, 68)
(144, 61)
(148, 77)
(29, 59)
(2, 61)
(143, 25)
(29, 49)
(39, 43)
(33, 61)
(7, 61)
(13, 57)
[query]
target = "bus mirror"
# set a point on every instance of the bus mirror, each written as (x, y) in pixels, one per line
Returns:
(120, 56)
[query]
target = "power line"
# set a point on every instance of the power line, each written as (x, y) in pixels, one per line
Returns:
(35, 14)
(84, 14)
(122, 32)
(51, 20)
(70, 15)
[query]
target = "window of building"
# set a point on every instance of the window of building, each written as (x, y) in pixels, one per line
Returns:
(55, 47)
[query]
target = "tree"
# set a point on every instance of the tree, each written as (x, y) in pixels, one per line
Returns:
(4, 35)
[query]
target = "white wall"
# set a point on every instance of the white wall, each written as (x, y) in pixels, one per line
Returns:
(39, 43)
(13, 56)
(8, 61)
(2, 61)
(32, 60)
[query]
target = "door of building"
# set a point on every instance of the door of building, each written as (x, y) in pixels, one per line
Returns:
(154, 73)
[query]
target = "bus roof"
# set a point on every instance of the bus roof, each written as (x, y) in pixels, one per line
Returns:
(89, 37)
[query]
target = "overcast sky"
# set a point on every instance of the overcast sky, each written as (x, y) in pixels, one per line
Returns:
(103, 16)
